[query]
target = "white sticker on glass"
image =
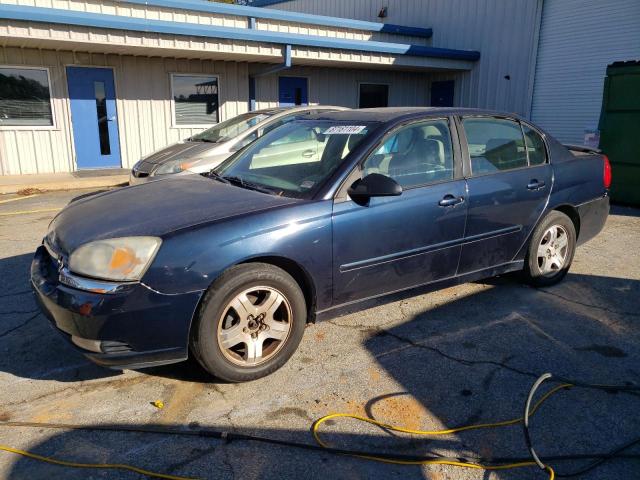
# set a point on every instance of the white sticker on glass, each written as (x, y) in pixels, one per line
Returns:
(345, 130)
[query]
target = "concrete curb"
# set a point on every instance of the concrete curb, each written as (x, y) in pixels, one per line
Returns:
(67, 184)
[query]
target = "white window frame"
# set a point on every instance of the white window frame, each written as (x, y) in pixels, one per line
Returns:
(388, 85)
(174, 124)
(54, 125)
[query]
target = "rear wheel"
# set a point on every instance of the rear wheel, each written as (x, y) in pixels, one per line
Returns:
(250, 323)
(550, 251)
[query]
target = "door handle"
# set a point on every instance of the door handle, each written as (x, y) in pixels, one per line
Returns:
(450, 201)
(535, 185)
(308, 153)
(112, 119)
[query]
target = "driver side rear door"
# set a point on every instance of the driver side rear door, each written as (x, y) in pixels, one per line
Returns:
(394, 243)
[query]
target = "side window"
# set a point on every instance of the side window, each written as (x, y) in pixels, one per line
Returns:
(415, 155)
(494, 144)
(535, 146)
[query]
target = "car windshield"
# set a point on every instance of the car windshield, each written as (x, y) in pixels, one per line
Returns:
(295, 159)
(231, 128)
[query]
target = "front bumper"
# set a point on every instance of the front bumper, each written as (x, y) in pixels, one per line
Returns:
(134, 327)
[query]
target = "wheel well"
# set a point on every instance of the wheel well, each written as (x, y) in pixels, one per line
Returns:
(573, 214)
(299, 274)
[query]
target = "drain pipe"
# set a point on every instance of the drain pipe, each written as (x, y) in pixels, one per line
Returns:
(277, 68)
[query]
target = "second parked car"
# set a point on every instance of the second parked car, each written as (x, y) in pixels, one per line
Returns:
(204, 151)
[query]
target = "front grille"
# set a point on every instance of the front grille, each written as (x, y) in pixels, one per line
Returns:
(142, 169)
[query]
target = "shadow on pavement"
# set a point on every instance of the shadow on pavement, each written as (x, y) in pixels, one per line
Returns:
(470, 360)
(30, 347)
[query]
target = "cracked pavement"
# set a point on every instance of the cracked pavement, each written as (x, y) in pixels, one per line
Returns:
(461, 355)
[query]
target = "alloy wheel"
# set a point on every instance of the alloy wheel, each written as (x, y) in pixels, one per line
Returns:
(553, 250)
(254, 326)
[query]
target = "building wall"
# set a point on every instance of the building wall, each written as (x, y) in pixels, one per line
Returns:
(504, 31)
(578, 39)
(143, 104)
(332, 86)
(143, 101)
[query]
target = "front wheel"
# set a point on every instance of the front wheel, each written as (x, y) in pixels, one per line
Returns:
(551, 250)
(250, 323)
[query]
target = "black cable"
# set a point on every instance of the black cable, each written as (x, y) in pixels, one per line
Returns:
(229, 436)
(596, 463)
(615, 453)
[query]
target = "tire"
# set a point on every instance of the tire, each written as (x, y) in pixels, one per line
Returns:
(548, 269)
(250, 322)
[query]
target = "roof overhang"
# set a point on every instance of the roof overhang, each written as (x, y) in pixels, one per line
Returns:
(234, 43)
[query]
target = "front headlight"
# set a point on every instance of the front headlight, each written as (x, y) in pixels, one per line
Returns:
(115, 259)
(173, 166)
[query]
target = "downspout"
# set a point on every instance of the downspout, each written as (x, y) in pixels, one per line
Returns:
(277, 68)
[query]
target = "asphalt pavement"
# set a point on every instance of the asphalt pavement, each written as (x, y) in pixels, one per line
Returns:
(462, 355)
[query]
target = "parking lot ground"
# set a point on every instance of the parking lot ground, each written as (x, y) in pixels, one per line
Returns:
(437, 360)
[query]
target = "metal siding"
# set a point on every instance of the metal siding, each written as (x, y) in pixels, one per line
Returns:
(578, 39)
(333, 86)
(143, 103)
(502, 30)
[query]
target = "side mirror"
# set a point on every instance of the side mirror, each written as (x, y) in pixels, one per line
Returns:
(373, 185)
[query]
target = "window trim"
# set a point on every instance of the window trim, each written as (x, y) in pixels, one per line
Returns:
(54, 124)
(388, 85)
(341, 191)
(465, 142)
(547, 155)
(174, 124)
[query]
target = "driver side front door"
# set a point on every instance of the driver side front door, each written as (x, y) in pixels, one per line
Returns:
(394, 243)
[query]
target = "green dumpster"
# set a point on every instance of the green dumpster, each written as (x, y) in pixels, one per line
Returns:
(620, 129)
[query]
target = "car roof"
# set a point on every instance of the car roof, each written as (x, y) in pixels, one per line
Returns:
(391, 114)
(299, 108)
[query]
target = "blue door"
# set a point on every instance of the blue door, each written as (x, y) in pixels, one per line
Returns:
(442, 93)
(93, 117)
(293, 91)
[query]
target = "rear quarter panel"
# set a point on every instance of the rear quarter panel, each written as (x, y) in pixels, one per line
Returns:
(578, 182)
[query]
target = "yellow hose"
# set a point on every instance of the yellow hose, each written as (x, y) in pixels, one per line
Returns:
(386, 426)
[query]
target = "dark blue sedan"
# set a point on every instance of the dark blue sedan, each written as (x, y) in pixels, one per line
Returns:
(324, 212)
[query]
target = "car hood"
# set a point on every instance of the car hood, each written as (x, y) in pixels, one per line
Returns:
(181, 150)
(155, 208)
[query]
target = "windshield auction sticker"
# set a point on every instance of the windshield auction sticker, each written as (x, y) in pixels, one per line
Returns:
(345, 130)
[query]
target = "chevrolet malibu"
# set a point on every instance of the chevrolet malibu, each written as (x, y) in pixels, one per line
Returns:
(230, 266)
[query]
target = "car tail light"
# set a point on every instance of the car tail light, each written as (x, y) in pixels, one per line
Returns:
(606, 177)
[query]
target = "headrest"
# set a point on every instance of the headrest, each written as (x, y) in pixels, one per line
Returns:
(406, 139)
(433, 148)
